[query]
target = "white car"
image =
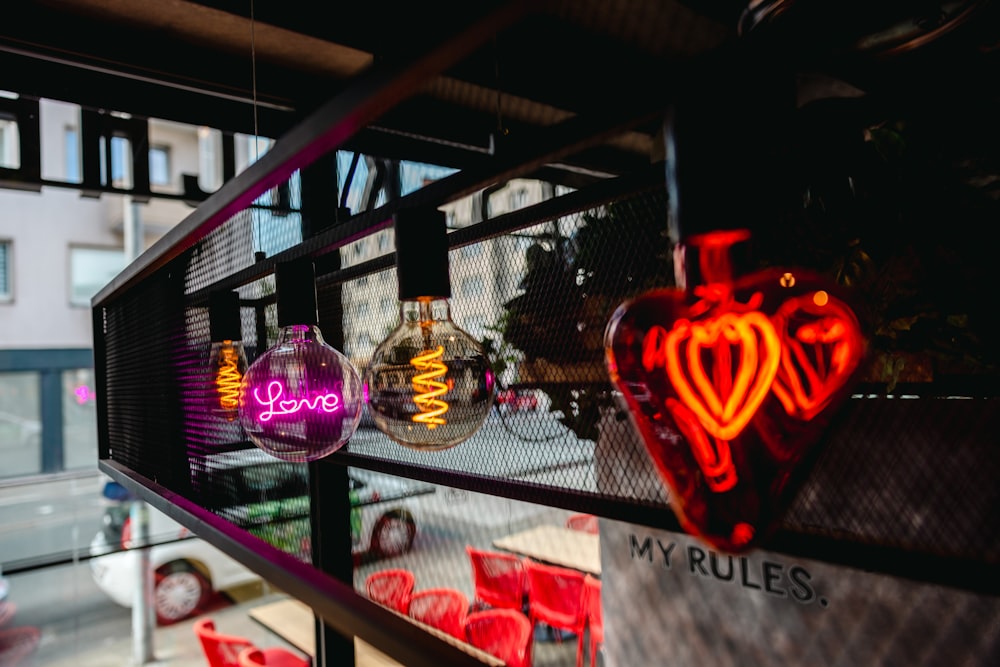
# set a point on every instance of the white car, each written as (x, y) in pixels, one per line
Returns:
(187, 570)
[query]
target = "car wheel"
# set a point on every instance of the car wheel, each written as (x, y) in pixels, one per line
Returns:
(179, 590)
(393, 533)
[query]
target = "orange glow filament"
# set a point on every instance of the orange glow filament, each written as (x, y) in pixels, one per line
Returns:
(742, 352)
(822, 347)
(428, 387)
(228, 377)
(715, 461)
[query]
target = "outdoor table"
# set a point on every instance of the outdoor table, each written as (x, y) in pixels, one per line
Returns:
(293, 621)
(556, 545)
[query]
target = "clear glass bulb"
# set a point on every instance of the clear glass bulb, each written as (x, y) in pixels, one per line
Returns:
(429, 385)
(301, 400)
(228, 361)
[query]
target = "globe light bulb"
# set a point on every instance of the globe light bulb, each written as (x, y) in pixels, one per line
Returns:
(227, 357)
(301, 400)
(429, 385)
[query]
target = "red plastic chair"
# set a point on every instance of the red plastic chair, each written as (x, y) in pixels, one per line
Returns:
(442, 608)
(555, 597)
(503, 633)
(252, 657)
(498, 579)
(595, 618)
(224, 650)
(7, 611)
(16, 644)
(391, 588)
(255, 657)
(585, 522)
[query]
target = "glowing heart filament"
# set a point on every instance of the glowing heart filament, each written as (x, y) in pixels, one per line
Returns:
(715, 460)
(228, 378)
(428, 387)
(275, 406)
(822, 347)
(743, 352)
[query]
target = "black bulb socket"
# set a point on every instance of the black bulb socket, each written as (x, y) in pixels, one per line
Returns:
(295, 289)
(422, 254)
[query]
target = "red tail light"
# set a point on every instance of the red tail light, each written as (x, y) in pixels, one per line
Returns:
(126, 541)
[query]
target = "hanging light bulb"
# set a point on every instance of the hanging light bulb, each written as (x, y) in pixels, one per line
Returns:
(429, 385)
(227, 357)
(301, 400)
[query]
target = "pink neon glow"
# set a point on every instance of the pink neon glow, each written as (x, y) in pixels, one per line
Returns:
(275, 406)
(83, 394)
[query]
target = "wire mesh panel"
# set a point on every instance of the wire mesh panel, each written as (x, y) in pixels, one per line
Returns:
(537, 296)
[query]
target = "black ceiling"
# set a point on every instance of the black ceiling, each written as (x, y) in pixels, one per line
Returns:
(208, 63)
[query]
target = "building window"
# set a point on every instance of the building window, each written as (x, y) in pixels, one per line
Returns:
(6, 293)
(10, 151)
(471, 250)
(159, 165)
(90, 270)
(471, 286)
(518, 199)
(20, 424)
(72, 144)
(209, 167)
(121, 162)
(79, 419)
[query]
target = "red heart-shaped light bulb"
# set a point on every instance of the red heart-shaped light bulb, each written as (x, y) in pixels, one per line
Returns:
(730, 385)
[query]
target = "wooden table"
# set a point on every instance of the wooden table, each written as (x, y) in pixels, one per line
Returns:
(556, 545)
(293, 621)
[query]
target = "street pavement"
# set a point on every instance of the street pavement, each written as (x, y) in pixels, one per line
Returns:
(81, 627)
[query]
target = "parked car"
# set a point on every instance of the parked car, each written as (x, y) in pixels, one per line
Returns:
(270, 501)
(517, 399)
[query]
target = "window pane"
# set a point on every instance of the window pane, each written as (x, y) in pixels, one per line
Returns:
(4, 269)
(72, 155)
(159, 165)
(79, 419)
(90, 270)
(10, 153)
(20, 424)
(121, 162)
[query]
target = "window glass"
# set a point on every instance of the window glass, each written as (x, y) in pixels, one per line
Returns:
(79, 419)
(5, 289)
(415, 175)
(121, 162)
(209, 171)
(20, 424)
(159, 165)
(10, 153)
(91, 269)
(472, 286)
(471, 250)
(72, 145)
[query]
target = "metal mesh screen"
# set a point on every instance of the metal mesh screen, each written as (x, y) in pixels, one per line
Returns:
(535, 276)
(538, 297)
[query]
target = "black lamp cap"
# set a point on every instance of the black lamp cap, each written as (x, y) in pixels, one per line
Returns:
(295, 289)
(224, 316)
(422, 254)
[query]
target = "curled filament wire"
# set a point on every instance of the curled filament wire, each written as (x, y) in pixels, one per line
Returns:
(428, 388)
(227, 381)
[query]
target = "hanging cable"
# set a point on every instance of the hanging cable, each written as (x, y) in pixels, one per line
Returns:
(255, 218)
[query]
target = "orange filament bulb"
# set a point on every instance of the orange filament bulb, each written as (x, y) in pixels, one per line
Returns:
(428, 387)
(228, 378)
